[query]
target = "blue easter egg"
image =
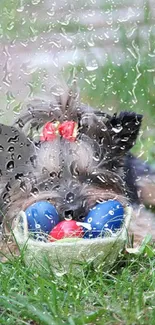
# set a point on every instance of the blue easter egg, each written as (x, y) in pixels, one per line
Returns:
(103, 218)
(41, 217)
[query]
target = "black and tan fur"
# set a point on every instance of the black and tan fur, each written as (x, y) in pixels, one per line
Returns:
(72, 175)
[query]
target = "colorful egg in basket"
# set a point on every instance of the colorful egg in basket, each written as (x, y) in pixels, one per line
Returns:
(66, 229)
(104, 219)
(99, 246)
(41, 217)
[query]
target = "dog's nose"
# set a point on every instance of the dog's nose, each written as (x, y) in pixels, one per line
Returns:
(75, 213)
(69, 197)
(69, 214)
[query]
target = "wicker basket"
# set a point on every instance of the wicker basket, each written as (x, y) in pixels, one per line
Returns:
(64, 255)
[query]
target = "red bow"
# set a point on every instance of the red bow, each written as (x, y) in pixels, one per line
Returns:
(67, 130)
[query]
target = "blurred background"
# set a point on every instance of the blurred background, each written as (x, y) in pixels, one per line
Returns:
(108, 45)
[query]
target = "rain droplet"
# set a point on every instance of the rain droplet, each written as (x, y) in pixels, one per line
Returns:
(90, 40)
(96, 157)
(11, 25)
(70, 197)
(20, 123)
(20, 9)
(53, 175)
(125, 139)
(10, 166)
(51, 12)
(8, 187)
(6, 198)
(110, 108)
(34, 191)
(35, 2)
(10, 97)
(91, 66)
(117, 129)
(91, 63)
(19, 176)
(33, 161)
(23, 186)
(28, 69)
(14, 139)
(17, 108)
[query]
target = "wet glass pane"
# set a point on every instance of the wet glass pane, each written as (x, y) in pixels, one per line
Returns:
(62, 164)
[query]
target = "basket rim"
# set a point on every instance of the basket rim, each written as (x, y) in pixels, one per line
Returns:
(22, 237)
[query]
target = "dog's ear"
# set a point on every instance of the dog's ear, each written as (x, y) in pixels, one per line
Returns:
(124, 131)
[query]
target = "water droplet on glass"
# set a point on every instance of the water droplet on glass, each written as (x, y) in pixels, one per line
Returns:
(20, 9)
(23, 186)
(91, 62)
(35, 2)
(14, 139)
(17, 108)
(117, 129)
(6, 198)
(90, 27)
(7, 75)
(125, 139)
(70, 197)
(10, 166)
(34, 191)
(51, 12)
(90, 40)
(96, 157)
(11, 25)
(110, 108)
(19, 176)
(10, 97)
(53, 175)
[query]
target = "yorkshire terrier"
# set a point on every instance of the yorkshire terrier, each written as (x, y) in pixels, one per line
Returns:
(69, 154)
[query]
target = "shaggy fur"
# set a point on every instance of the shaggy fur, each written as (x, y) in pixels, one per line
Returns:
(71, 175)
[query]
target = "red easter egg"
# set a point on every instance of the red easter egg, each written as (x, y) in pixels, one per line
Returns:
(66, 229)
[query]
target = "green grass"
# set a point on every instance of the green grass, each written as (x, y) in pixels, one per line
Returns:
(125, 295)
(17, 22)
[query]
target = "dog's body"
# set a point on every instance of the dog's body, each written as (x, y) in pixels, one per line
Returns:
(73, 175)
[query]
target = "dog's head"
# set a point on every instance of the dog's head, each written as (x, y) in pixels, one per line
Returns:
(73, 175)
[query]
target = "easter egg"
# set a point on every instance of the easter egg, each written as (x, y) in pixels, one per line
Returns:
(66, 229)
(103, 218)
(41, 217)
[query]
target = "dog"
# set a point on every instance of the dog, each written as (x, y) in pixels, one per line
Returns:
(74, 172)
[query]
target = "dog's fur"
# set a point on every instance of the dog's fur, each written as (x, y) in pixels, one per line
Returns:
(72, 175)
